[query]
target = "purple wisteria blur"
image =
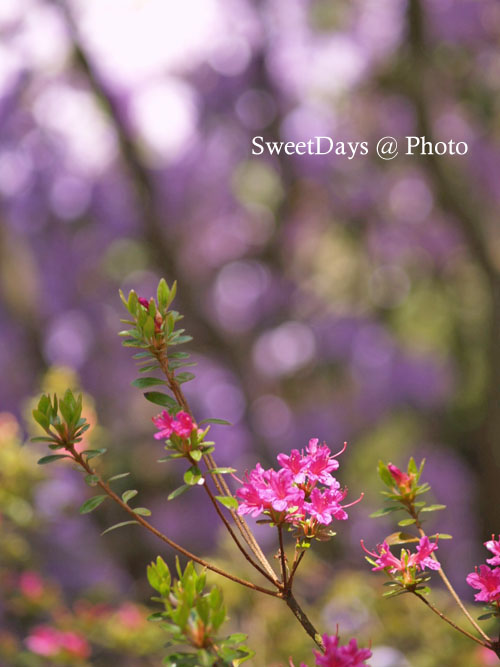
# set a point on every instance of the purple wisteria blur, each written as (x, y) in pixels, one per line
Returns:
(342, 299)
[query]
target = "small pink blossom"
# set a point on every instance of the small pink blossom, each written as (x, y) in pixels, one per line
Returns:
(487, 581)
(182, 425)
(75, 644)
(402, 479)
(252, 493)
(44, 640)
(31, 585)
(144, 302)
(493, 546)
(340, 656)
(385, 559)
(321, 462)
(297, 463)
(324, 506)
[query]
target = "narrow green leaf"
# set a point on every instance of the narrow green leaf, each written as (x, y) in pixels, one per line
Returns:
(178, 491)
(91, 504)
(52, 457)
(222, 422)
(42, 439)
(142, 511)
(221, 471)
(158, 398)
(433, 508)
(193, 475)
(120, 476)
(41, 419)
(384, 511)
(119, 525)
(406, 522)
(184, 377)
(142, 383)
(228, 501)
(385, 475)
(128, 495)
(92, 453)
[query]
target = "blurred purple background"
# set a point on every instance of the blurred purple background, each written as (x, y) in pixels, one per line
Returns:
(344, 299)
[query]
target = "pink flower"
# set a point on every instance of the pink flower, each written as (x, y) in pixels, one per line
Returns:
(182, 425)
(144, 302)
(493, 546)
(31, 585)
(321, 462)
(487, 581)
(163, 422)
(296, 463)
(420, 560)
(252, 493)
(281, 492)
(324, 506)
(402, 479)
(44, 640)
(340, 656)
(75, 644)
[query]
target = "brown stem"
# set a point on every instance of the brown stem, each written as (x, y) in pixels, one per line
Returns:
(450, 622)
(446, 581)
(296, 563)
(303, 620)
(282, 557)
(219, 480)
(106, 488)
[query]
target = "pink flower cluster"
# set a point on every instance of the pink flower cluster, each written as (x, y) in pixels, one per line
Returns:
(340, 656)
(408, 562)
(487, 579)
(293, 494)
(47, 641)
(182, 425)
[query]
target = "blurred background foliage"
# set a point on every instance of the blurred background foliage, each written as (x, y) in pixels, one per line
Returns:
(345, 299)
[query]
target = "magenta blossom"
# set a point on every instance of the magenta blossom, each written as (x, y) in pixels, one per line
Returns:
(297, 463)
(493, 546)
(321, 462)
(281, 493)
(487, 581)
(144, 302)
(254, 502)
(402, 479)
(385, 559)
(340, 656)
(182, 425)
(324, 506)
(47, 641)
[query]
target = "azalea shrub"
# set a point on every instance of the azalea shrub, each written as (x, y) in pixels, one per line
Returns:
(302, 502)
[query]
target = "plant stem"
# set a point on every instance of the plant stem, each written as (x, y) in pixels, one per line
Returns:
(106, 488)
(450, 622)
(282, 557)
(303, 619)
(296, 563)
(219, 481)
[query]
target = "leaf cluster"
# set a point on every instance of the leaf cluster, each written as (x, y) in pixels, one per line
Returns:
(192, 617)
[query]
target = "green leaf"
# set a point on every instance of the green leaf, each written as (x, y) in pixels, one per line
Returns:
(221, 471)
(142, 511)
(178, 491)
(119, 525)
(384, 511)
(406, 522)
(433, 508)
(128, 495)
(91, 480)
(228, 501)
(91, 504)
(196, 454)
(41, 419)
(193, 475)
(483, 617)
(158, 398)
(412, 466)
(92, 453)
(223, 422)
(401, 538)
(162, 294)
(120, 476)
(184, 377)
(442, 536)
(142, 383)
(385, 475)
(52, 457)
(43, 438)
